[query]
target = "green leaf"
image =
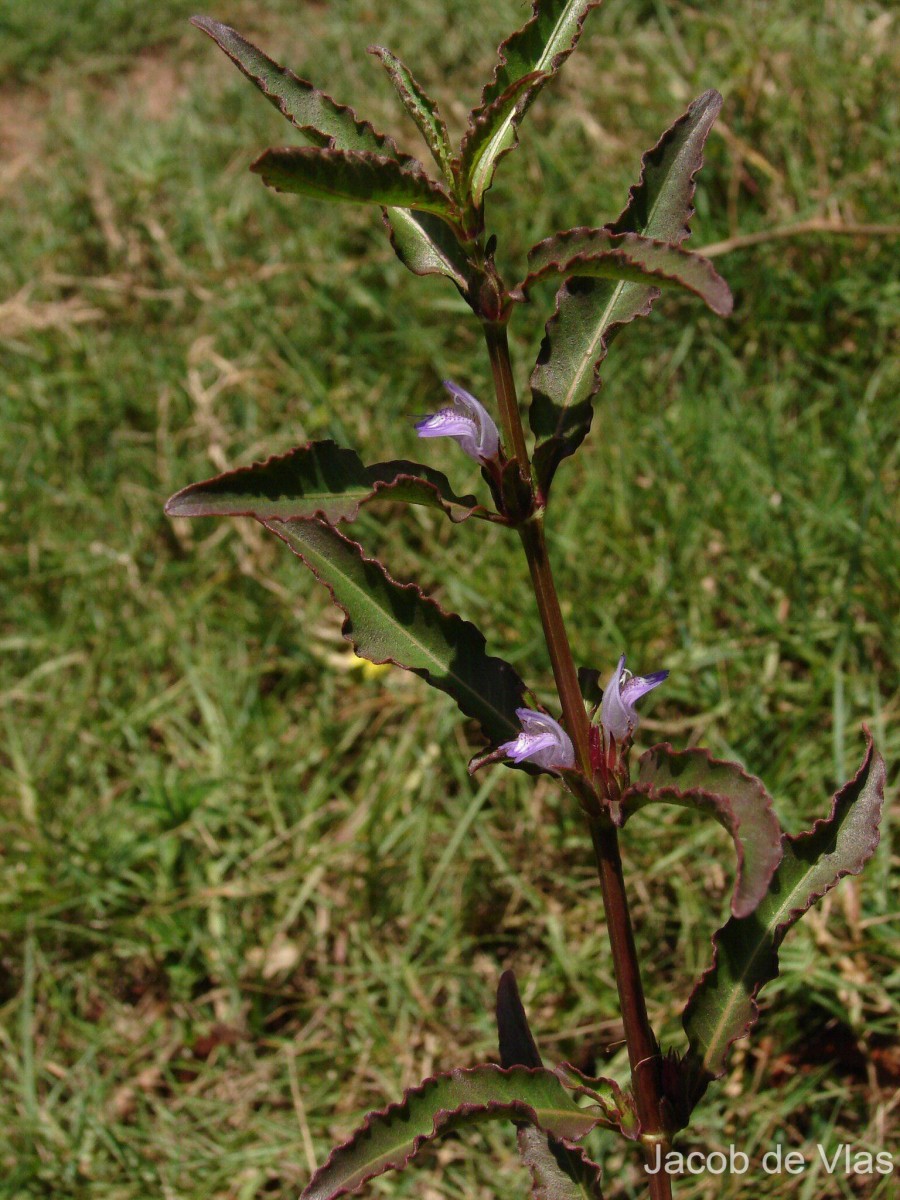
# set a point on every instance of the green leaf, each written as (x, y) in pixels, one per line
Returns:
(724, 791)
(589, 312)
(389, 1139)
(320, 479)
(389, 622)
(660, 205)
(558, 1172)
(488, 137)
(422, 243)
(349, 175)
(599, 254)
(427, 246)
(320, 119)
(617, 1107)
(723, 1006)
(538, 51)
(421, 108)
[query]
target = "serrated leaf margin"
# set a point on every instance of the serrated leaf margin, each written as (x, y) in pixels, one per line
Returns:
(354, 548)
(444, 1119)
(400, 471)
(645, 792)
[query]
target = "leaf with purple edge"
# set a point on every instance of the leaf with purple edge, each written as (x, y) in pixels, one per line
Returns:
(421, 241)
(320, 119)
(389, 1139)
(723, 1006)
(589, 312)
(390, 622)
(537, 50)
(348, 175)
(427, 246)
(599, 254)
(558, 1172)
(486, 140)
(617, 1106)
(724, 791)
(320, 479)
(423, 110)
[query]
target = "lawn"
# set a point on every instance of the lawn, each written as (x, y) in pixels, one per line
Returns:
(248, 889)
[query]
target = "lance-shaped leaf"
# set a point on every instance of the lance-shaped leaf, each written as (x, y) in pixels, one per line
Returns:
(320, 119)
(320, 479)
(390, 622)
(599, 254)
(725, 792)
(420, 107)
(488, 135)
(427, 246)
(422, 243)
(389, 1139)
(537, 50)
(517, 1045)
(723, 1006)
(351, 176)
(558, 1172)
(590, 311)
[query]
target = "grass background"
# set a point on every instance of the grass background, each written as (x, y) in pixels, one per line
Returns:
(248, 889)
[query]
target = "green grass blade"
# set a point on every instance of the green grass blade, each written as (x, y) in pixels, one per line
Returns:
(320, 479)
(723, 1006)
(724, 791)
(389, 622)
(389, 1139)
(589, 312)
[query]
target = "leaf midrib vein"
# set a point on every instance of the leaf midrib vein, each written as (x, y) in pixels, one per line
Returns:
(715, 1042)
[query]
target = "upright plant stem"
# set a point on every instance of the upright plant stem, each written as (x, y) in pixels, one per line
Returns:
(505, 386)
(643, 1053)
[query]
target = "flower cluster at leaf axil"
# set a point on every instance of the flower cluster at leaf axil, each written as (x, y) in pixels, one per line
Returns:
(545, 743)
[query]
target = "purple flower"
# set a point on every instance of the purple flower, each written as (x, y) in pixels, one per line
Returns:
(617, 713)
(543, 741)
(467, 422)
